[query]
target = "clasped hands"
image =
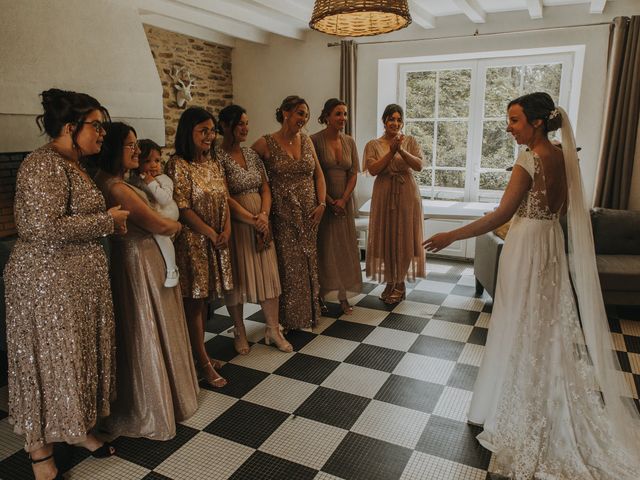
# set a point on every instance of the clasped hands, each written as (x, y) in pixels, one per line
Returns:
(261, 223)
(338, 207)
(119, 217)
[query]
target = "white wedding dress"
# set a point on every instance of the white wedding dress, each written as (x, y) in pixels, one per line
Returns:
(549, 392)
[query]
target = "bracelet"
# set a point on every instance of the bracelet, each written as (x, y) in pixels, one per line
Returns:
(322, 204)
(264, 213)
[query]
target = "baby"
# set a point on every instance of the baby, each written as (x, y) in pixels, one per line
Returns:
(149, 178)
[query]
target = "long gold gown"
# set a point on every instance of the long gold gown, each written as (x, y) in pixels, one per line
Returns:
(60, 328)
(294, 199)
(394, 249)
(156, 380)
(338, 253)
(204, 271)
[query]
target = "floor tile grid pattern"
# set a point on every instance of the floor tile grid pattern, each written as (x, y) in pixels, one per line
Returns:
(380, 394)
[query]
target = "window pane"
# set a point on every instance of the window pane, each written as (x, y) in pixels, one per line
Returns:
(423, 133)
(494, 180)
(503, 85)
(423, 177)
(452, 144)
(450, 178)
(497, 145)
(543, 78)
(455, 89)
(421, 94)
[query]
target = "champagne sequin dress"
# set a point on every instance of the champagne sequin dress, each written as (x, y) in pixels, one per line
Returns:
(338, 253)
(157, 383)
(204, 271)
(394, 249)
(60, 328)
(255, 274)
(294, 199)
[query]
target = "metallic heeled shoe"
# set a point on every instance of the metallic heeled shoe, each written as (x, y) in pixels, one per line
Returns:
(240, 342)
(396, 295)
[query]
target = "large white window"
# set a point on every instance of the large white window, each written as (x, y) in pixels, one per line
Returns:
(457, 112)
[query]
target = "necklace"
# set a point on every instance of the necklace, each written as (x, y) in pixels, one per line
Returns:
(290, 142)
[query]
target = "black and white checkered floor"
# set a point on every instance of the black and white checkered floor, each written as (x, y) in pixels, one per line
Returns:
(379, 394)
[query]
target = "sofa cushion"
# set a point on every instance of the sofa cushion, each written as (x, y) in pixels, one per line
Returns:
(616, 232)
(619, 272)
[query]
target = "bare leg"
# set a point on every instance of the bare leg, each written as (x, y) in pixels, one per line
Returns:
(344, 303)
(272, 330)
(43, 464)
(196, 310)
(240, 342)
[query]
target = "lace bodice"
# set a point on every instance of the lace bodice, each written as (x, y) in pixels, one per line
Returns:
(535, 203)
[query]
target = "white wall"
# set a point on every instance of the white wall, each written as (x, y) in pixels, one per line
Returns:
(263, 75)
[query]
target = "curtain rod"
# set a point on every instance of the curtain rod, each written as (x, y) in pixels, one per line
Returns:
(476, 34)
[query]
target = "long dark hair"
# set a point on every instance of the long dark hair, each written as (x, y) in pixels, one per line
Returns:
(64, 106)
(539, 106)
(110, 158)
(191, 117)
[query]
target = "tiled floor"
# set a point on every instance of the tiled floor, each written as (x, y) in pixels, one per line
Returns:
(380, 394)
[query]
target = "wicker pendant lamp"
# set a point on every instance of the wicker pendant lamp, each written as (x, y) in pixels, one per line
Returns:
(358, 18)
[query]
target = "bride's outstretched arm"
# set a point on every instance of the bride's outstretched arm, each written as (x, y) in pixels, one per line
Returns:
(518, 186)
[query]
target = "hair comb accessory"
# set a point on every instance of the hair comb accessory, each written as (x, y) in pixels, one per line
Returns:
(553, 114)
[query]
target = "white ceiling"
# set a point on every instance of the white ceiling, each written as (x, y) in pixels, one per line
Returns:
(224, 21)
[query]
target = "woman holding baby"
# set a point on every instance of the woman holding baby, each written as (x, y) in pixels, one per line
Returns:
(156, 380)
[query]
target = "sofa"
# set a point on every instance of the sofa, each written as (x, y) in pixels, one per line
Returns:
(616, 235)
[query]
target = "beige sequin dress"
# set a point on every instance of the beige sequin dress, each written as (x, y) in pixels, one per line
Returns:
(394, 249)
(338, 253)
(60, 328)
(204, 271)
(255, 274)
(157, 383)
(294, 199)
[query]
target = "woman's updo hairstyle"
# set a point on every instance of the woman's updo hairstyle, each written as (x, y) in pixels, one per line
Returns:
(288, 104)
(390, 110)
(64, 106)
(329, 105)
(230, 116)
(539, 106)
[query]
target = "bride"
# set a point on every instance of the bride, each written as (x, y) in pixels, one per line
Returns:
(550, 394)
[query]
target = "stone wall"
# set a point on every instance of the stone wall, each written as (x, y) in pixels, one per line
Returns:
(9, 164)
(210, 67)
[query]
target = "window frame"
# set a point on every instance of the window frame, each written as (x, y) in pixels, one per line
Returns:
(571, 58)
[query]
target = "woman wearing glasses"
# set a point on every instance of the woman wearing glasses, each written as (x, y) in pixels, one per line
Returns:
(156, 379)
(202, 251)
(60, 328)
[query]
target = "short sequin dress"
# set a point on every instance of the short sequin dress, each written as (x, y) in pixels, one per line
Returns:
(60, 327)
(394, 248)
(156, 380)
(255, 274)
(204, 271)
(338, 252)
(294, 199)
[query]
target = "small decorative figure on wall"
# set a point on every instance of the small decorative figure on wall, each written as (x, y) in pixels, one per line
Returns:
(182, 82)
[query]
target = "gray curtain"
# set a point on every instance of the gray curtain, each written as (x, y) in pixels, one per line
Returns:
(621, 115)
(348, 60)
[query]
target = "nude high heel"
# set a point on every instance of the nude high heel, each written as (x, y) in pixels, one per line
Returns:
(273, 334)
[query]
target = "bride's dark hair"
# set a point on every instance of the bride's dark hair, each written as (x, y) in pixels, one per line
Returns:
(539, 106)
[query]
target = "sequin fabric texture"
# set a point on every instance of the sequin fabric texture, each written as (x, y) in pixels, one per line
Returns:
(60, 327)
(204, 271)
(294, 199)
(242, 180)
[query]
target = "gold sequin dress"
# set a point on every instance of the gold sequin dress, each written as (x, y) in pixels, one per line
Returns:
(60, 328)
(204, 271)
(394, 248)
(294, 199)
(255, 274)
(157, 383)
(338, 253)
